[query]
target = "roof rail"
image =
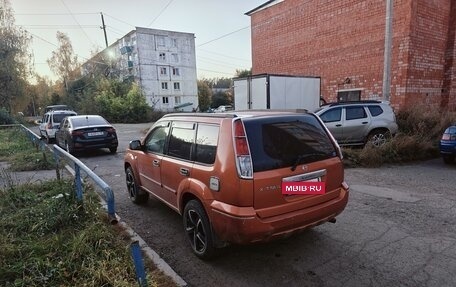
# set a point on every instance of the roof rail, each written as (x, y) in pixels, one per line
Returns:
(213, 115)
(353, 103)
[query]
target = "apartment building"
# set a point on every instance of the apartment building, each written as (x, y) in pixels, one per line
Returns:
(162, 62)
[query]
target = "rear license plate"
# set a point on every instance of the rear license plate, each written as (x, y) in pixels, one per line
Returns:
(93, 134)
(309, 187)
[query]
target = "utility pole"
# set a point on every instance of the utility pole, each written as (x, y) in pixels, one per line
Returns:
(104, 29)
(388, 49)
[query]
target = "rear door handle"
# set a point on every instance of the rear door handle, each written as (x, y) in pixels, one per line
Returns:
(156, 162)
(364, 123)
(184, 171)
(339, 125)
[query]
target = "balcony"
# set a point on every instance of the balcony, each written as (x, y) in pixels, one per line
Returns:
(126, 50)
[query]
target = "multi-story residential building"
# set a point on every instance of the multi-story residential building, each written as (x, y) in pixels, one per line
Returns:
(343, 42)
(162, 62)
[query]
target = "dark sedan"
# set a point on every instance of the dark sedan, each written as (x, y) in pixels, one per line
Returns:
(85, 132)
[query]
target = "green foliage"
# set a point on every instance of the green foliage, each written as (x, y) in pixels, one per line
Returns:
(420, 130)
(16, 148)
(221, 98)
(5, 117)
(204, 95)
(50, 239)
(121, 102)
(14, 59)
(243, 73)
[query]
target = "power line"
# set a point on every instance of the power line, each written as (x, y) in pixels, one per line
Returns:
(52, 14)
(161, 12)
(117, 19)
(74, 18)
(223, 36)
(212, 71)
(219, 54)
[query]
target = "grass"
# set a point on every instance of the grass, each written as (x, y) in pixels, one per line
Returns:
(420, 130)
(48, 238)
(16, 148)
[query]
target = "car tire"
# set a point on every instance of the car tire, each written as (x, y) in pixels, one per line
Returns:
(113, 149)
(198, 230)
(448, 159)
(137, 195)
(378, 138)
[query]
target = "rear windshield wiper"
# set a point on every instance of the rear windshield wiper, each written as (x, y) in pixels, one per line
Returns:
(304, 156)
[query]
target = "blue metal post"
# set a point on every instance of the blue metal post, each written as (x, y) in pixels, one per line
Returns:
(139, 265)
(77, 180)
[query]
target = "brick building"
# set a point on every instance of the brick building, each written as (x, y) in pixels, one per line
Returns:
(343, 43)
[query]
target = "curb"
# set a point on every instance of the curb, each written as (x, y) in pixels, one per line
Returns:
(149, 252)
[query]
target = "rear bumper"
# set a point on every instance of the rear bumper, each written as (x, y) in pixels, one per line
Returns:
(448, 148)
(242, 225)
(86, 145)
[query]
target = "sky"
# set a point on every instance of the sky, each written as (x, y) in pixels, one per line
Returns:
(221, 28)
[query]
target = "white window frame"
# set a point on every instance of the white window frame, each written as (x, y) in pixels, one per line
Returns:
(176, 86)
(164, 85)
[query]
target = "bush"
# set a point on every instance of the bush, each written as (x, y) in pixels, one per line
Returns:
(418, 138)
(5, 117)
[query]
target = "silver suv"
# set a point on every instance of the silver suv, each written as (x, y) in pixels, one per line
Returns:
(356, 123)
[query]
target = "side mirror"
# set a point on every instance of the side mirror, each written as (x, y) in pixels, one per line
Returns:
(135, 145)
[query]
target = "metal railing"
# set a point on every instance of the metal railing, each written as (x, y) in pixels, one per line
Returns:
(78, 166)
(60, 153)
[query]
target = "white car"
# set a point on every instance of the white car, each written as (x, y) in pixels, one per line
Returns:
(50, 123)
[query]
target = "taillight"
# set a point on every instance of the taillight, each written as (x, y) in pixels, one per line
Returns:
(77, 133)
(111, 130)
(49, 125)
(243, 158)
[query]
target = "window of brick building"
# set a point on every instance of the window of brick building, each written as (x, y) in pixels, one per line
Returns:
(349, 96)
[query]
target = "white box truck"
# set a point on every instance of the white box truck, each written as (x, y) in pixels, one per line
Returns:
(267, 91)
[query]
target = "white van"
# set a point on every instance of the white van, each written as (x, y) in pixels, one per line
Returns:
(50, 123)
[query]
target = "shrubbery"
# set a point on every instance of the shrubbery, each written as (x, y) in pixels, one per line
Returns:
(420, 129)
(5, 117)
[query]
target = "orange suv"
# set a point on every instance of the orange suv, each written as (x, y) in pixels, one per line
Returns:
(224, 173)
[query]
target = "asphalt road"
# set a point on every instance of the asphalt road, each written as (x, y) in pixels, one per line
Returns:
(398, 230)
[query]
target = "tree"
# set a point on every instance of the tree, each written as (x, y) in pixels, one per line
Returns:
(63, 61)
(204, 95)
(220, 99)
(14, 59)
(243, 73)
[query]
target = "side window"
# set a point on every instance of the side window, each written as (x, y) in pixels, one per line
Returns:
(353, 113)
(156, 140)
(332, 115)
(375, 110)
(181, 140)
(206, 143)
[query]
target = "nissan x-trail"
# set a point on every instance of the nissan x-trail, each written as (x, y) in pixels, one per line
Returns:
(224, 173)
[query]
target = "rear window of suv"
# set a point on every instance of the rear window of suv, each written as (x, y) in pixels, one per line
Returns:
(286, 141)
(375, 110)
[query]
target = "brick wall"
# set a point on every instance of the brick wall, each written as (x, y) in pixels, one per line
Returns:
(337, 40)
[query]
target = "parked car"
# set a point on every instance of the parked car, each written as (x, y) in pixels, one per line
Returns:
(357, 123)
(222, 109)
(57, 108)
(224, 173)
(50, 123)
(448, 144)
(86, 132)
